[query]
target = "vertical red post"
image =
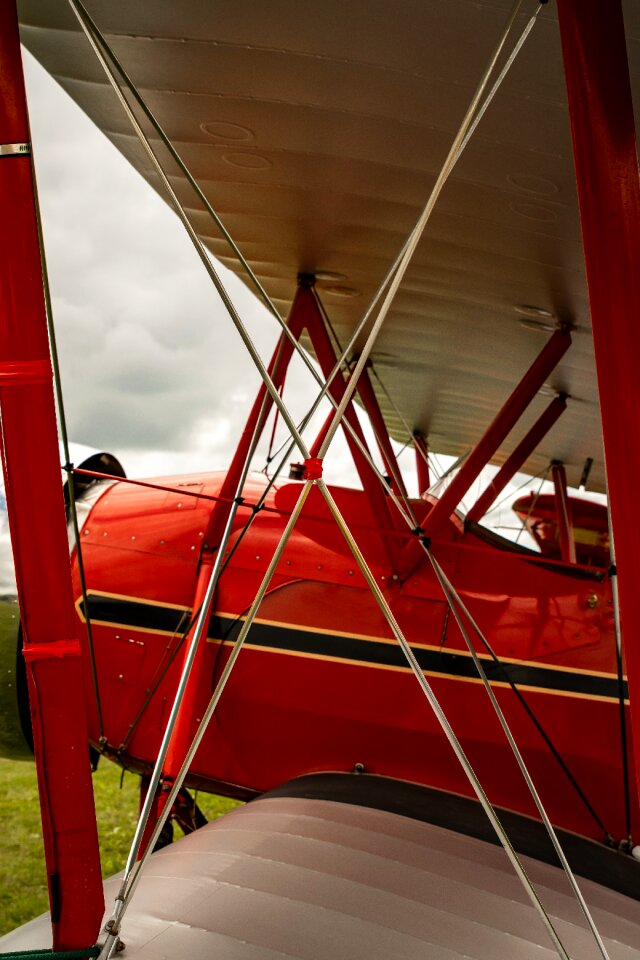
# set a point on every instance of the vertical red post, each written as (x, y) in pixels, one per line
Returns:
(513, 463)
(606, 162)
(422, 462)
(563, 512)
(31, 463)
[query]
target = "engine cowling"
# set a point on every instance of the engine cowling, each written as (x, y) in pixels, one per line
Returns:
(16, 741)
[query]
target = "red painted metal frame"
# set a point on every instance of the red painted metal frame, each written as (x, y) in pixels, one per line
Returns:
(422, 463)
(372, 407)
(186, 720)
(257, 418)
(39, 536)
(304, 314)
(316, 446)
(289, 710)
(513, 463)
(563, 511)
(497, 431)
(606, 161)
(326, 357)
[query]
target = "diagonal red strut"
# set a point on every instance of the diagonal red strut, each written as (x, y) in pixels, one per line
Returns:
(514, 462)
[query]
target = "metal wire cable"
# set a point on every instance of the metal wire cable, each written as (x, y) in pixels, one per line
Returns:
(476, 110)
(543, 733)
(393, 466)
(202, 620)
(258, 506)
(478, 117)
(330, 327)
(523, 527)
(503, 72)
(132, 877)
(96, 39)
(270, 454)
(435, 487)
(157, 678)
(455, 151)
(472, 117)
(339, 414)
(411, 440)
(451, 159)
(442, 720)
(613, 577)
(193, 236)
(457, 606)
(102, 51)
(513, 493)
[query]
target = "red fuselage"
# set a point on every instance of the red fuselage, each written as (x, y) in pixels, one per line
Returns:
(321, 684)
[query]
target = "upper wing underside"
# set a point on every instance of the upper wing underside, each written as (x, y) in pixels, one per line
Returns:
(317, 132)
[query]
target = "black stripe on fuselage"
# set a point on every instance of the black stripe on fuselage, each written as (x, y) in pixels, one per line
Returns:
(389, 654)
(153, 617)
(139, 614)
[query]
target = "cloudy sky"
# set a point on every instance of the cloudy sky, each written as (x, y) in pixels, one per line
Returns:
(153, 370)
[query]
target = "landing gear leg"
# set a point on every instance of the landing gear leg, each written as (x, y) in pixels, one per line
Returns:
(185, 812)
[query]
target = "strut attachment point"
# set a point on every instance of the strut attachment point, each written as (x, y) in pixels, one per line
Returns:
(313, 466)
(15, 149)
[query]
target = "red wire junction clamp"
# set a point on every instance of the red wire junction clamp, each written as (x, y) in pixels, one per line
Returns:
(313, 466)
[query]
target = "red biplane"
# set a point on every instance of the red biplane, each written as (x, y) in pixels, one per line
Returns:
(396, 687)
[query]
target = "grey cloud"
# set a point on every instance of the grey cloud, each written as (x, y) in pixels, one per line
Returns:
(148, 354)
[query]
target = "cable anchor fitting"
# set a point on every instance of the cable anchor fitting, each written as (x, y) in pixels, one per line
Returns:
(419, 533)
(313, 468)
(15, 149)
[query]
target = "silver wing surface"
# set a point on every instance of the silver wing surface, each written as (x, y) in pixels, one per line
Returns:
(317, 130)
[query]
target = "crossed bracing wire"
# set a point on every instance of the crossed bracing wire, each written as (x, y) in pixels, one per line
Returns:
(385, 294)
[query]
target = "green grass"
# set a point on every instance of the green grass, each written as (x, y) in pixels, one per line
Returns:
(23, 889)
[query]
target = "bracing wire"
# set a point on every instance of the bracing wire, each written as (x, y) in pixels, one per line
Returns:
(270, 453)
(443, 721)
(159, 674)
(523, 527)
(439, 483)
(103, 51)
(393, 466)
(104, 54)
(514, 493)
(459, 610)
(201, 622)
(429, 460)
(126, 892)
(613, 577)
